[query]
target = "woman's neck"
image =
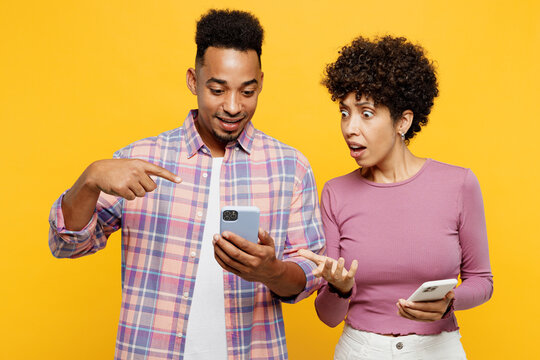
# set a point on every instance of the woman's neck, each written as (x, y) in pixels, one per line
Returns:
(401, 164)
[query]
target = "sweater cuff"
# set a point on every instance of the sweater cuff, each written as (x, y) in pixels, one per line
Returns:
(334, 290)
(328, 290)
(449, 310)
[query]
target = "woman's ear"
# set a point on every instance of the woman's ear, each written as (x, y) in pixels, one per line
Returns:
(405, 121)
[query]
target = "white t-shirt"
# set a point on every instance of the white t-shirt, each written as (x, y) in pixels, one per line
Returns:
(205, 335)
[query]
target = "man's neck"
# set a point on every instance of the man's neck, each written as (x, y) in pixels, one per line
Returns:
(217, 148)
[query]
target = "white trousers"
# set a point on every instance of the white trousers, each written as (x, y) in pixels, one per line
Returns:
(362, 345)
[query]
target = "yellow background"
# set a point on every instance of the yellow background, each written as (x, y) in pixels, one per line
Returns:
(80, 79)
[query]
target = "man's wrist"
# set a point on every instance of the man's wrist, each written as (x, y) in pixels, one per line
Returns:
(289, 279)
(89, 183)
(276, 275)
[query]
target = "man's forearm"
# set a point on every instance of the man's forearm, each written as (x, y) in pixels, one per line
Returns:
(79, 203)
(289, 281)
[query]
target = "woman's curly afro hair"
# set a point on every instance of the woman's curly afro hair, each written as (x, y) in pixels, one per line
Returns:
(392, 71)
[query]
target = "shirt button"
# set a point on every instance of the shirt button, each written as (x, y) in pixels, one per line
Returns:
(186, 295)
(204, 175)
(204, 150)
(193, 254)
(399, 345)
(236, 148)
(199, 214)
(179, 335)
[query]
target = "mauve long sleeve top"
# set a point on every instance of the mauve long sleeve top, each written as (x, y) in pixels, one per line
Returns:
(428, 227)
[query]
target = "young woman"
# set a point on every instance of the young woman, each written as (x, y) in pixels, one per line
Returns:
(398, 220)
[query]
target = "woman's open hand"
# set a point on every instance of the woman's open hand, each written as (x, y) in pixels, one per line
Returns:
(333, 271)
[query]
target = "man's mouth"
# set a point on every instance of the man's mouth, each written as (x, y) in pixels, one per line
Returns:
(230, 120)
(230, 124)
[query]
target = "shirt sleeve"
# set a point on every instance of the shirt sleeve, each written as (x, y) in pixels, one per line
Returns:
(331, 308)
(106, 219)
(305, 229)
(477, 280)
(65, 243)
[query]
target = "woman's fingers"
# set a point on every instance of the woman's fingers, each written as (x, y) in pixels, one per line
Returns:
(310, 255)
(338, 273)
(318, 270)
(402, 313)
(331, 270)
(352, 270)
(420, 312)
(327, 269)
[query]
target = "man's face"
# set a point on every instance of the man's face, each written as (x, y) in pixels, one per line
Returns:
(227, 86)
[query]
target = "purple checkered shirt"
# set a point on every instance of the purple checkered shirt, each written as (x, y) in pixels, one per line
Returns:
(162, 234)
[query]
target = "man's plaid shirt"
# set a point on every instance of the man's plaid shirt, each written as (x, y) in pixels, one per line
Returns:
(162, 234)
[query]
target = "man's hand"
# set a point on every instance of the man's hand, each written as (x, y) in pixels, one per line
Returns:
(424, 310)
(333, 271)
(258, 262)
(252, 262)
(127, 178)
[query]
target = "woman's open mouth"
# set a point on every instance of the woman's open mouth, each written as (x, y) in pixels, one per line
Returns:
(356, 150)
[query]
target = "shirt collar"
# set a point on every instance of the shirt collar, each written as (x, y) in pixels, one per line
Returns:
(245, 140)
(194, 141)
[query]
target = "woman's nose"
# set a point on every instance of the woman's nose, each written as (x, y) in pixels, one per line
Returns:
(353, 127)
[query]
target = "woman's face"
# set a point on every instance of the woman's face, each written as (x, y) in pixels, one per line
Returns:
(368, 130)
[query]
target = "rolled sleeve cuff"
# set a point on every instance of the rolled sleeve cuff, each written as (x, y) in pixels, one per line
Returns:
(56, 219)
(312, 283)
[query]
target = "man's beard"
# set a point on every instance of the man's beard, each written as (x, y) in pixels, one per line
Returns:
(225, 139)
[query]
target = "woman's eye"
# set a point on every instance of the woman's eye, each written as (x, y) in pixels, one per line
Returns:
(344, 113)
(367, 114)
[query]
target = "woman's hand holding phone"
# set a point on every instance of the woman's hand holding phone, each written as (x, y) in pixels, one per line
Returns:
(333, 271)
(426, 311)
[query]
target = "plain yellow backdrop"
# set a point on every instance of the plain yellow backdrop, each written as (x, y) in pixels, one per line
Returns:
(80, 79)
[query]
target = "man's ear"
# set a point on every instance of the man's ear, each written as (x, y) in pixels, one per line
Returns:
(261, 85)
(191, 80)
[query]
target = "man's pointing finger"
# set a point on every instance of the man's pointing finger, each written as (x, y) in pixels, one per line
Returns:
(153, 169)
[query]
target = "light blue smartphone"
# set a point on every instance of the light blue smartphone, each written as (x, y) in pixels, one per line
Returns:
(241, 220)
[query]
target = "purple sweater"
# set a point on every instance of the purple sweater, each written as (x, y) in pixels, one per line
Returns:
(428, 227)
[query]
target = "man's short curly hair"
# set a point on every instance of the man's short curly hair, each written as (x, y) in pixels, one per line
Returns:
(392, 71)
(229, 29)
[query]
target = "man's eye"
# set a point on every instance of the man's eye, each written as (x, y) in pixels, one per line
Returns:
(216, 91)
(248, 92)
(344, 113)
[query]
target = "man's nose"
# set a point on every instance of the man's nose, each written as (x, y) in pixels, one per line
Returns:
(231, 105)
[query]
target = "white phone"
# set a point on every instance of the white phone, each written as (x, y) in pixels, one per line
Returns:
(433, 290)
(241, 220)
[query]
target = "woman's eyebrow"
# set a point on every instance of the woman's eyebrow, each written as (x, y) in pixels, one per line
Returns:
(364, 103)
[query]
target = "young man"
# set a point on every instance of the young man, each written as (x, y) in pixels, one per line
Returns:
(165, 193)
